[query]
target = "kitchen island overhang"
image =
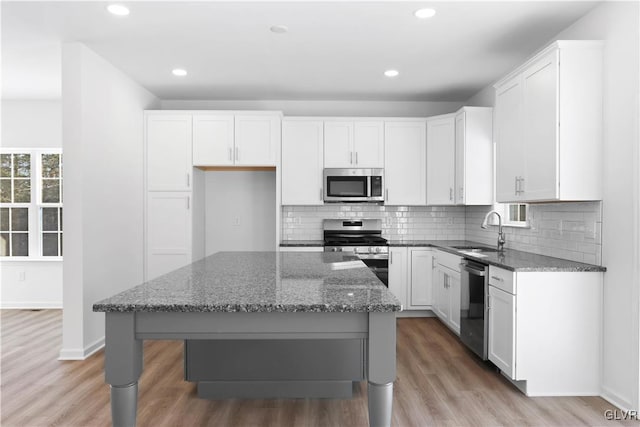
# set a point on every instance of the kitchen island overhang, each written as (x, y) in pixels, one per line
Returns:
(255, 296)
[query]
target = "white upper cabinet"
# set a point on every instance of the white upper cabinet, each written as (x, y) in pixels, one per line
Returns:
(353, 144)
(213, 140)
(510, 148)
(236, 140)
(474, 156)
(257, 140)
(441, 160)
(168, 139)
(549, 126)
(405, 158)
(302, 142)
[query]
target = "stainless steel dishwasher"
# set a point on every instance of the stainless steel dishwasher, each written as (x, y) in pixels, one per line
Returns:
(473, 307)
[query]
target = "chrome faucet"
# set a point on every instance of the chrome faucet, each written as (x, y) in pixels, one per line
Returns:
(501, 239)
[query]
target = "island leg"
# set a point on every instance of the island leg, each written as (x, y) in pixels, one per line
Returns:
(122, 367)
(382, 367)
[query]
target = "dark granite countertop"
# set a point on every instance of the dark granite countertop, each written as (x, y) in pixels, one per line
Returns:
(302, 243)
(261, 282)
(509, 259)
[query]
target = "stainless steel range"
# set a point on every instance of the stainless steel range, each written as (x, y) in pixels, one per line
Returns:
(364, 238)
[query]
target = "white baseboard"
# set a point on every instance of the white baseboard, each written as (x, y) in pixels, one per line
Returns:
(81, 354)
(617, 400)
(415, 313)
(30, 305)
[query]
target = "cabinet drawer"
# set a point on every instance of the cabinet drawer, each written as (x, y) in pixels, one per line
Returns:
(502, 279)
(449, 260)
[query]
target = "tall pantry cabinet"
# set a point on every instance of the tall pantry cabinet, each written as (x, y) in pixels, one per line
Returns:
(174, 211)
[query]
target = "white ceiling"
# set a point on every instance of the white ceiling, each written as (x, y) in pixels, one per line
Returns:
(333, 50)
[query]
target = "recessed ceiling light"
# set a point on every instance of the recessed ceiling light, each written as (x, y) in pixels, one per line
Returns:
(424, 13)
(279, 29)
(118, 9)
(391, 73)
(179, 72)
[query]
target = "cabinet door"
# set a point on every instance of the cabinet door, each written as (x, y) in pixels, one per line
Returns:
(213, 138)
(460, 157)
(398, 274)
(302, 143)
(257, 139)
(169, 160)
(168, 232)
(405, 163)
(502, 330)
(420, 279)
(338, 144)
(454, 301)
(441, 294)
(540, 118)
(441, 161)
(509, 142)
(368, 144)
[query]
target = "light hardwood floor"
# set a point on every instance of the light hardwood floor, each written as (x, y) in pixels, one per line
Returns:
(439, 383)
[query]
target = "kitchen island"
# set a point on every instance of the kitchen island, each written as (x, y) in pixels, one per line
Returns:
(254, 296)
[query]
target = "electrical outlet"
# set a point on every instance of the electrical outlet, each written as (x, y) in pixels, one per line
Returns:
(236, 221)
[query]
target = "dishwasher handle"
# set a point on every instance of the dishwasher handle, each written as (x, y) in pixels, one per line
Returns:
(473, 271)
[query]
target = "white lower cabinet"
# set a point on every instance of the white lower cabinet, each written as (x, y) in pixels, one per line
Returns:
(398, 274)
(410, 276)
(169, 224)
(446, 289)
(502, 330)
(545, 330)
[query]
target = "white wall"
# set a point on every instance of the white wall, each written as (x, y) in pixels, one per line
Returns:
(324, 108)
(617, 23)
(103, 186)
(248, 196)
(31, 284)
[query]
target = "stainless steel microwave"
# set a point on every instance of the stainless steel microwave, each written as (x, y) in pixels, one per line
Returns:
(353, 185)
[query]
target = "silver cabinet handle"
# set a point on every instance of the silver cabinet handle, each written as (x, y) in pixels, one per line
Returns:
(488, 302)
(230, 153)
(350, 157)
(499, 279)
(188, 203)
(356, 157)
(451, 193)
(188, 181)
(390, 257)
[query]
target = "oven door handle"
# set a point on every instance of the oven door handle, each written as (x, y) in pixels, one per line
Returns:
(473, 271)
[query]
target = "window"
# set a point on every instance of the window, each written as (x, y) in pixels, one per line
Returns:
(513, 214)
(31, 203)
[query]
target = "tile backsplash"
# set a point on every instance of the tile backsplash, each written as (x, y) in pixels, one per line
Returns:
(564, 230)
(398, 222)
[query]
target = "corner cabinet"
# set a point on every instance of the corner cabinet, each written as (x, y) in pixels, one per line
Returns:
(353, 143)
(474, 156)
(302, 150)
(549, 126)
(231, 139)
(441, 152)
(545, 330)
(405, 160)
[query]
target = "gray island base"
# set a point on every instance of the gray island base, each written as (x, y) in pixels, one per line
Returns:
(258, 297)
